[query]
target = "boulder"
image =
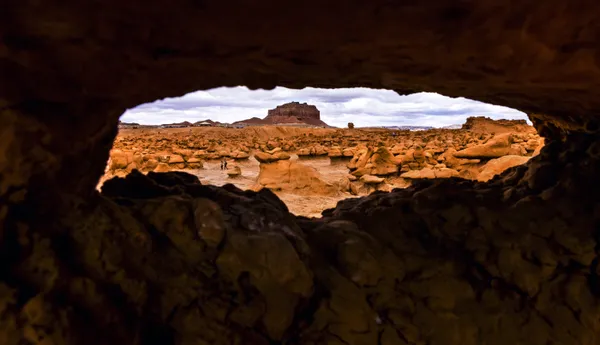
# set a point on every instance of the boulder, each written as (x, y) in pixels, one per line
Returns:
(361, 171)
(425, 173)
(348, 152)
(449, 159)
(498, 146)
(445, 173)
(370, 179)
(119, 159)
(235, 171)
(429, 173)
(383, 162)
(264, 157)
(281, 155)
(294, 177)
(360, 159)
(497, 166)
(176, 159)
(335, 152)
(397, 149)
(162, 167)
(150, 164)
(303, 152)
(194, 163)
(318, 150)
(273, 151)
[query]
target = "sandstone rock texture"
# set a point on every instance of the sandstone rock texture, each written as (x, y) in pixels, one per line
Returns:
(161, 259)
(295, 112)
(289, 114)
(364, 151)
(487, 125)
(293, 177)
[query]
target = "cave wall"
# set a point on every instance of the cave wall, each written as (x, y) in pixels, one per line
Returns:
(162, 259)
(83, 64)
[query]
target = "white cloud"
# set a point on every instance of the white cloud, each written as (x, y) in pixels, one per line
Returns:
(363, 106)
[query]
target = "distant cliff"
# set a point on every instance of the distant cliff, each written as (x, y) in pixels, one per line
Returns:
(488, 125)
(293, 113)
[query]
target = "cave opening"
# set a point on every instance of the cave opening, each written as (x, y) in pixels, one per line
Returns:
(161, 258)
(314, 147)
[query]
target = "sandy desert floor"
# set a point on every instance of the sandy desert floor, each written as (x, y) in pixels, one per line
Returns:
(304, 205)
(311, 169)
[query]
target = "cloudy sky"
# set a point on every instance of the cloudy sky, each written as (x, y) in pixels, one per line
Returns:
(363, 106)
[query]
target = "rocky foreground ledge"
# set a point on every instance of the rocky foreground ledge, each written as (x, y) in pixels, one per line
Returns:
(160, 258)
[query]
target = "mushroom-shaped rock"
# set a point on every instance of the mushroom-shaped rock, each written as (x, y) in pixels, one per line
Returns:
(234, 172)
(162, 167)
(303, 152)
(425, 173)
(184, 153)
(273, 151)
(335, 152)
(445, 173)
(294, 177)
(370, 179)
(223, 153)
(264, 157)
(281, 155)
(239, 155)
(361, 171)
(450, 160)
(498, 146)
(497, 166)
(360, 159)
(532, 144)
(150, 164)
(383, 162)
(119, 159)
(318, 150)
(397, 149)
(175, 159)
(195, 163)
(199, 154)
(348, 152)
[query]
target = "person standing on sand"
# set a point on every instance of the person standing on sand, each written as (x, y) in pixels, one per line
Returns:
(221, 165)
(225, 164)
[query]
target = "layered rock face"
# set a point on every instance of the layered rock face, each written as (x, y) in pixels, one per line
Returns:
(487, 125)
(295, 112)
(163, 259)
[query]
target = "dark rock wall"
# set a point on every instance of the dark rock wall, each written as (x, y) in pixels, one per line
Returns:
(71, 70)
(162, 259)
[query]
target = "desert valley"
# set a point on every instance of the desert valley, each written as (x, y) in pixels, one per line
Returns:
(311, 166)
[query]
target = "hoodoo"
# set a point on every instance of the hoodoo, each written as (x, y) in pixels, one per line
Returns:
(163, 259)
